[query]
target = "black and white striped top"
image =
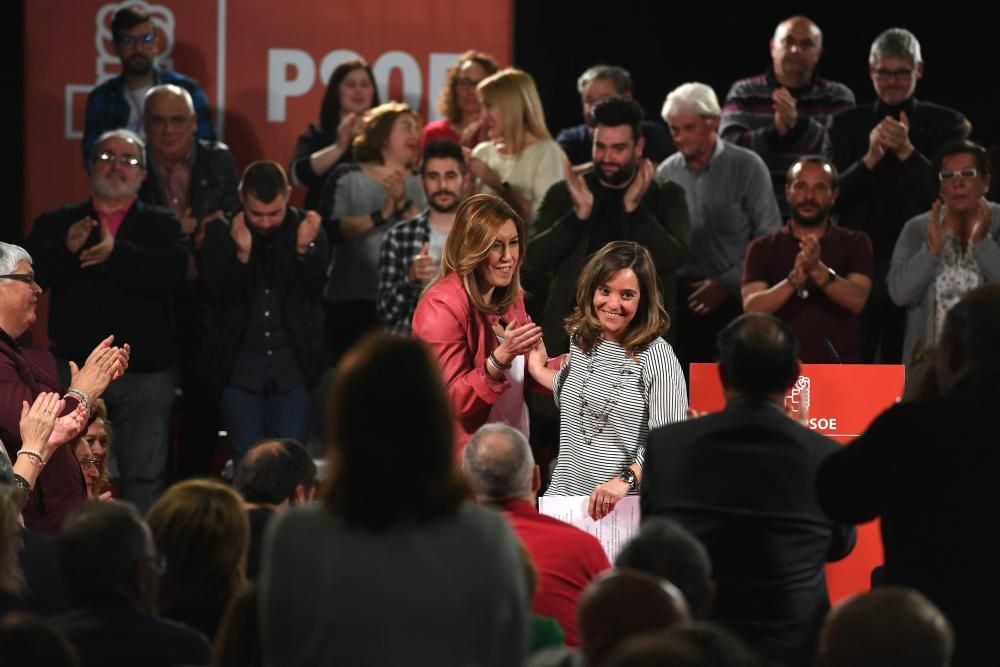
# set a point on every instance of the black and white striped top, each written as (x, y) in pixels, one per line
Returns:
(636, 394)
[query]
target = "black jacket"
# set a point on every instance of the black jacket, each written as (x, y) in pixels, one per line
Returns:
(214, 181)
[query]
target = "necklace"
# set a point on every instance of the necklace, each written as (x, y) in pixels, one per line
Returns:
(599, 416)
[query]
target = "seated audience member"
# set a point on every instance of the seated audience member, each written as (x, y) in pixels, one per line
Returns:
(112, 572)
(264, 275)
(411, 573)
(350, 92)
(117, 103)
(88, 466)
(99, 438)
(459, 103)
(411, 252)
(692, 645)
(729, 202)
(741, 480)
(112, 264)
(785, 113)
(518, 161)
(201, 529)
(273, 476)
(618, 200)
(886, 626)
(948, 251)
(237, 643)
(25, 639)
(813, 274)
(27, 372)
(597, 83)
(615, 607)
(883, 152)
(197, 180)
(928, 467)
(362, 198)
(665, 549)
(501, 470)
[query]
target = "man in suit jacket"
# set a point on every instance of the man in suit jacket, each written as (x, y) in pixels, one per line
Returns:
(884, 152)
(742, 481)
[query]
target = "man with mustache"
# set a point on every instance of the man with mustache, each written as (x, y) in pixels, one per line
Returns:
(411, 251)
(812, 274)
(118, 102)
(618, 200)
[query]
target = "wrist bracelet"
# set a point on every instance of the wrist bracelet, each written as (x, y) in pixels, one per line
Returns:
(34, 453)
(83, 396)
(496, 362)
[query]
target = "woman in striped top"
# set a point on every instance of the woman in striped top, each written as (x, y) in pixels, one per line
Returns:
(619, 380)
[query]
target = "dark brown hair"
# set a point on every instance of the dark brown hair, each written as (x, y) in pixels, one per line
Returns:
(329, 109)
(448, 102)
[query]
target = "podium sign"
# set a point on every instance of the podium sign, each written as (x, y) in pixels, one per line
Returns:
(839, 401)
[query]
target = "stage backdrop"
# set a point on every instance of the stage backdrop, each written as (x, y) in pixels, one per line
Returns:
(264, 67)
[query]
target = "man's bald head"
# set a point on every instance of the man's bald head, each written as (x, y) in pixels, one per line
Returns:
(170, 122)
(886, 626)
(498, 463)
(274, 472)
(796, 47)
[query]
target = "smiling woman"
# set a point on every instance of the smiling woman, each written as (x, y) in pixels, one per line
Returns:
(619, 380)
(472, 317)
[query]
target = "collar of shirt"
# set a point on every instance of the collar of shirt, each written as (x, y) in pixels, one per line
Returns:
(116, 217)
(720, 145)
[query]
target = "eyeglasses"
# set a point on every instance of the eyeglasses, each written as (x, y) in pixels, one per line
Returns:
(27, 278)
(964, 174)
(466, 82)
(129, 161)
(87, 462)
(138, 40)
(897, 74)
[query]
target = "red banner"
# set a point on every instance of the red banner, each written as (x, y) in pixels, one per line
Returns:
(839, 401)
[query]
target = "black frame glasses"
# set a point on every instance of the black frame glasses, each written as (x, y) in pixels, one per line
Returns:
(138, 40)
(129, 161)
(27, 278)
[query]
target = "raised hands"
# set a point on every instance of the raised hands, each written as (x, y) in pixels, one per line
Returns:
(786, 110)
(644, 174)
(240, 234)
(104, 365)
(423, 266)
(100, 251)
(78, 234)
(307, 232)
(579, 192)
(936, 230)
(518, 339)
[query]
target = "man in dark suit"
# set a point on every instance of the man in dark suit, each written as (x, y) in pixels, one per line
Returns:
(884, 152)
(742, 481)
(930, 468)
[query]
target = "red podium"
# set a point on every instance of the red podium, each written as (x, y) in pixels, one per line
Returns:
(839, 401)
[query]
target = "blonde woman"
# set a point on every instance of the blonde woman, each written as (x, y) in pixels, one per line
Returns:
(472, 317)
(519, 161)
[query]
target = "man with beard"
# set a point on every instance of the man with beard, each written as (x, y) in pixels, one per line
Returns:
(264, 275)
(812, 274)
(730, 202)
(618, 200)
(112, 264)
(118, 102)
(411, 251)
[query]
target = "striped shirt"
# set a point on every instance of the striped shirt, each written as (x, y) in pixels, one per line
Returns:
(637, 394)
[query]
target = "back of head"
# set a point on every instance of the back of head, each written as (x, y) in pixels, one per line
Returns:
(694, 645)
(265, 180)
(498, 463)
(390, 424)
(969, 339)
(272, 470)
(667, 550)
(886, 626)
(758, 355)
(622, 604)
(201, 528)
(615, 111)
(99, 545)
(25, 639)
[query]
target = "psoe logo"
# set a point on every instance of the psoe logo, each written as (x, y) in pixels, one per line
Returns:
(107, 63)
(798, 402)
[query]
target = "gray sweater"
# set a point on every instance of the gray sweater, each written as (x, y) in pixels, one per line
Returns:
(914, 269)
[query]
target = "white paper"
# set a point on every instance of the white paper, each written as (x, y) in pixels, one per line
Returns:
(613, 531)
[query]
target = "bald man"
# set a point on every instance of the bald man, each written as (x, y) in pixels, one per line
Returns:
(784, 113)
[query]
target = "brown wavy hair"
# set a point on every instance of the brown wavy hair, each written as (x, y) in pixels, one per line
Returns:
(477, 224)
(448, 102)
(651, 318)
(374, 135)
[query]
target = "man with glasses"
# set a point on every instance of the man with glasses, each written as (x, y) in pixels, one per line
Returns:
(118, 102)
(948, 251)
(784, 113)
(112, 264)
(812, 274)
(884, 151)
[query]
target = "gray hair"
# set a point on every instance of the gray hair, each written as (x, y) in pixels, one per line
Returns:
(697, 97)
(121, 133)
(163, 89)
(896, 43)
(10, 255)
(502, 470)
(617, 75)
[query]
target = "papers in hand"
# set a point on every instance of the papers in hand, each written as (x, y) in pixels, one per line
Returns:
(613, 531)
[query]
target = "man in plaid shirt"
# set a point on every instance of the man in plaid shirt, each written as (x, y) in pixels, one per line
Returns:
(411, 251)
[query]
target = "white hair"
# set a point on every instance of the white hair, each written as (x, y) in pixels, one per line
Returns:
(10, 255)
(163, 89)
(694, 97)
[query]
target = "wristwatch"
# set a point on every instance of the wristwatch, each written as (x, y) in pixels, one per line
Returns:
(831, 275)
(628, 476)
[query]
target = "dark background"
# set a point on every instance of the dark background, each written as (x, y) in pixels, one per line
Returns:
(665, 44)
